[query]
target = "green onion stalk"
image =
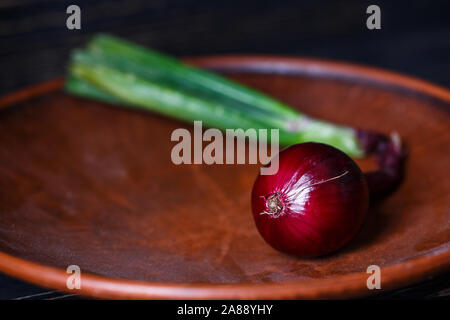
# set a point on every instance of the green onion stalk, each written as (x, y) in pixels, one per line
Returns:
(115, 71)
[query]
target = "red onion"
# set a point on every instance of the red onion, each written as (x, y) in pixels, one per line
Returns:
(318, 199)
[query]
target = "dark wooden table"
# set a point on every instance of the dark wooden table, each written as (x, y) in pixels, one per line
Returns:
(414, 39)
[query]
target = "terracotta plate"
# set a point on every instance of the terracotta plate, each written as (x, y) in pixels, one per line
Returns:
(83, 183)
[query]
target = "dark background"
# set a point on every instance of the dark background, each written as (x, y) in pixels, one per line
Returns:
(414, 39)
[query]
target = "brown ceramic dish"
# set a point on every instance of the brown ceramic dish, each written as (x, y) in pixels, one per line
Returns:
(89, 184)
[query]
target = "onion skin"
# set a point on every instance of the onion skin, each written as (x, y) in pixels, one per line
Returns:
(314, 204)
(390, 154)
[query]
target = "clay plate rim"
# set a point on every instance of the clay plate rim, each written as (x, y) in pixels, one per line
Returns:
(342, 286)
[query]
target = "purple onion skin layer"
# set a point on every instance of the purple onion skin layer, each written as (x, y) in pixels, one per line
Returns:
(390, 154)
(314, 204)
